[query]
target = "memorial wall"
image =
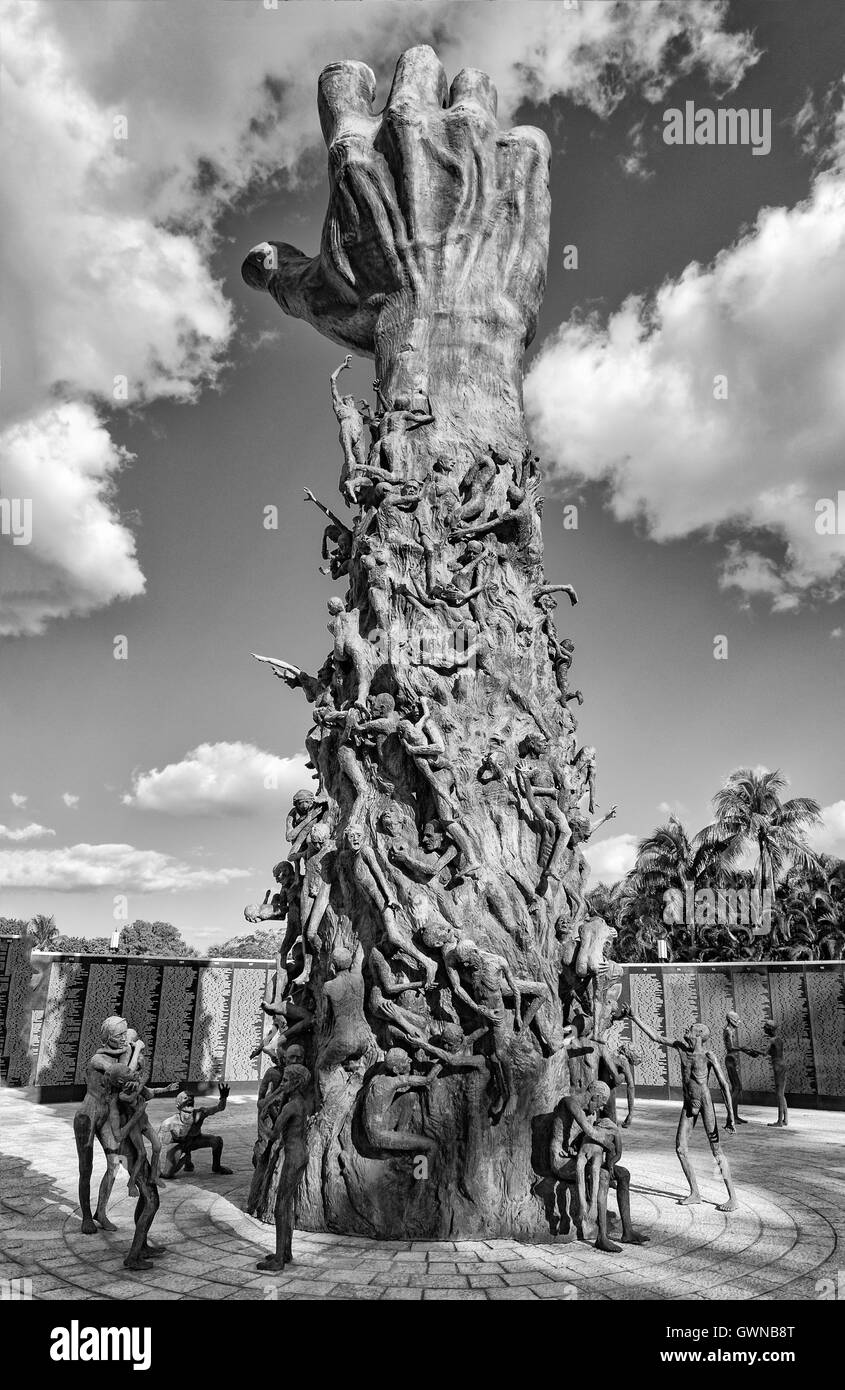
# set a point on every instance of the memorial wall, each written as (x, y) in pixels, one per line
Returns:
(200, 1019)
(806, 1000)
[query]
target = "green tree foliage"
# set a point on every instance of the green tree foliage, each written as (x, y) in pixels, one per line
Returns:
(258, 945)
(807, 890)
(83, 945)
(142, 938)
(41, 928)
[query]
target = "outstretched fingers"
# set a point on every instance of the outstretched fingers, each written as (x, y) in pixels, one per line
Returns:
(419, 80)
(345, 94)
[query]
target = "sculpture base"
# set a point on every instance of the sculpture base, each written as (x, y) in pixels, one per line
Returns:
(478, 1185)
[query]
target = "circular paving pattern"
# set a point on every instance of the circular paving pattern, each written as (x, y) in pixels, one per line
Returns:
(781, 1243)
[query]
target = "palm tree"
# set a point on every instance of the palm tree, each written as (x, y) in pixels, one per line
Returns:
(668, 858)
(668, 861)
(751, 814)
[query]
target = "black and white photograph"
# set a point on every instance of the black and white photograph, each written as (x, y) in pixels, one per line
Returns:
(422, 667)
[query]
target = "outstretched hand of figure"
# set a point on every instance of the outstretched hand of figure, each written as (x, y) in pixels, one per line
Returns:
(429, 201)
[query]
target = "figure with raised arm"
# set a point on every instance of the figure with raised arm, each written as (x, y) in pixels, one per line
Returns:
(182, 1134)
(336, 534)
(107, 1073)
(351, 424)
(350, 648)
(697, 1062)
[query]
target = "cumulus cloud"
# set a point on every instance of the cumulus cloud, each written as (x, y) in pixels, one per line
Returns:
(611, 859)
(635, 403)
(220, 779)
(18, 800)
(81, 556)
(70, 800)
(117, 168)
(829, 836)
(25, 832)
(80, 867)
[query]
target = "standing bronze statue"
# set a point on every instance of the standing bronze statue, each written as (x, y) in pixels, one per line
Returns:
(445, 661)
(733, 1052)
(288, 1137)
(698, 1063)
(111, 1071)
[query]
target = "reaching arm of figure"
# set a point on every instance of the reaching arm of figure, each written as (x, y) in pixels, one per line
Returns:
(469, 594)
(460, 993)
(327, 511)
(381, 882)
(527, 790)
(653, 1033)
(560, 589)
(334, 376)
(482, 528)
(609, 815)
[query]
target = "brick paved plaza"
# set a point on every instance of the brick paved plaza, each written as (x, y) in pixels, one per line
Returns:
(785, 1238)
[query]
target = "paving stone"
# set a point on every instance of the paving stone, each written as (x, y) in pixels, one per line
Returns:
(431, 1295)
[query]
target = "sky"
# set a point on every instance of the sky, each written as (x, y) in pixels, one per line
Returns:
(684, 392)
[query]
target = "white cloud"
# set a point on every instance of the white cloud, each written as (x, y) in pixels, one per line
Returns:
(80, 867)
(70, 800)
(25, 832)
(81, 556)
(220, 779)
(829, 836)
(18, 800)
(632, 403)
(612, 858)
(837, 632)
(106, 249)
(634, 160)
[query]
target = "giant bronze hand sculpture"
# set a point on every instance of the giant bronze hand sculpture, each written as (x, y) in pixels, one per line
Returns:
(433, 254)
(447, 671)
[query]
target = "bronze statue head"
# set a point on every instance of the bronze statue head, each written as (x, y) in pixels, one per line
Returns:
(397, 1061)
(113, 1032)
